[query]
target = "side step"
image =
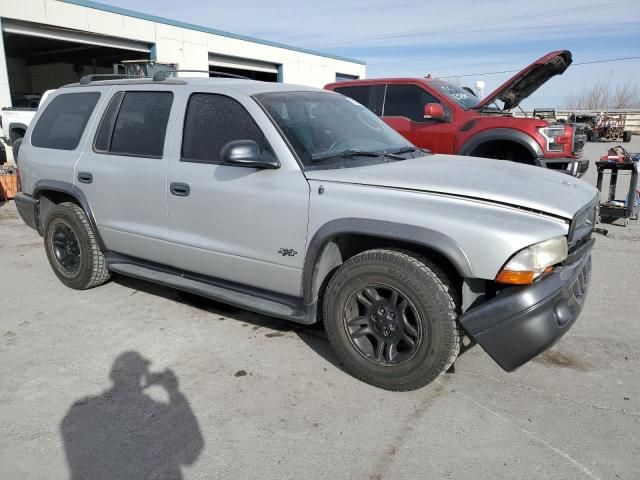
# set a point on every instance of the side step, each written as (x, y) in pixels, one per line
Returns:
(243, 297)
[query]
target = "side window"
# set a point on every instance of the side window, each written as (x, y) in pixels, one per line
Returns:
(62, 123)
(407, 101)
(135, 124)
(211, 122)
(359, 94)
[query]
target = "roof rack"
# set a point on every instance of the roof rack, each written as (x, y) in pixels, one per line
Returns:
(160, 76)
(100, 76)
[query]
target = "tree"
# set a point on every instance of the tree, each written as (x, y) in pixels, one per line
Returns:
(604, 96)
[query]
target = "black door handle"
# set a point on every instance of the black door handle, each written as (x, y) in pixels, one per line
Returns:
(179, 189)
(85, 177)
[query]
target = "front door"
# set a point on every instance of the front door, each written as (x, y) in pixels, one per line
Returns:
(238, 224)
(404, 112)
(123, 173)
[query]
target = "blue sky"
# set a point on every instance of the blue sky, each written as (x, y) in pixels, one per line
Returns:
(413, 38)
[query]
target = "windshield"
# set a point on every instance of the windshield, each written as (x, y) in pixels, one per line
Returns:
(328, 130)
(458, 94)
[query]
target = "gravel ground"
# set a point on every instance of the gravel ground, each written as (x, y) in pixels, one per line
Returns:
(239, 395)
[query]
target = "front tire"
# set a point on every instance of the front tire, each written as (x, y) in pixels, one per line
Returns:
(391, 319)
(626, 136)
(72, 249)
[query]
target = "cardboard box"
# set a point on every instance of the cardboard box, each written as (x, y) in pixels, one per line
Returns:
(8, 186)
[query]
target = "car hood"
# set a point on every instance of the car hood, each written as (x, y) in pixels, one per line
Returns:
(527, 81)
(502, 182)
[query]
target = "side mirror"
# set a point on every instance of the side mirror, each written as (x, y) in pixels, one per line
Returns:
(246, 153)
(433, 111)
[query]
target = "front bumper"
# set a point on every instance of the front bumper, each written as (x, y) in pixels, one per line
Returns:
(522, 322)
(576, 168)
(27, 209)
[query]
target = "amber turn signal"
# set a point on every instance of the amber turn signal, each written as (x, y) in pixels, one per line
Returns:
(520, 278)
(515, 278)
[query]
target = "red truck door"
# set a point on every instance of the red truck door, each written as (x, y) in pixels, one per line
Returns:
(404, 112)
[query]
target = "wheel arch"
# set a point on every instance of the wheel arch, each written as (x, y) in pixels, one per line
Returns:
(52, 192)
(14, 130)
(340, 239)
(503, 134)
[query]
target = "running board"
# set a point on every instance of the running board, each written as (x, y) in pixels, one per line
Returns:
(265, 303)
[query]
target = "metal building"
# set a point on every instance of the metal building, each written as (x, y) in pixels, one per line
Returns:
(47, 43)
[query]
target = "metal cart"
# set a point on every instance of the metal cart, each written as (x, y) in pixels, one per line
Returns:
(613, 208)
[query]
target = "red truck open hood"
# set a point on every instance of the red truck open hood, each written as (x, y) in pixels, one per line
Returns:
(527, 81)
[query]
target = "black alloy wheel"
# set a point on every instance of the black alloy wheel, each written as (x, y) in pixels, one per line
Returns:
(66, 248)
(383, 325)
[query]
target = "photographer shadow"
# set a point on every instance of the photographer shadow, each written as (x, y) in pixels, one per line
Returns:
(125, 434)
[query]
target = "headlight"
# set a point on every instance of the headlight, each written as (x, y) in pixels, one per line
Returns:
(528, 264)
(556, 137)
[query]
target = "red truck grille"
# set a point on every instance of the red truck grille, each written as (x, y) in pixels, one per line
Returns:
(579, 139)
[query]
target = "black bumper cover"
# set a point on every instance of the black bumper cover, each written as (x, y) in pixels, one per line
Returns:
(522, 322)
(572, 166)
(27, 209)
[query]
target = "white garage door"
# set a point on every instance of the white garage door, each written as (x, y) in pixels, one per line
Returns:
(45, 31)
(226, 61)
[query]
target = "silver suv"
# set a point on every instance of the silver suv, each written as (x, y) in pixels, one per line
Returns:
(302, 204)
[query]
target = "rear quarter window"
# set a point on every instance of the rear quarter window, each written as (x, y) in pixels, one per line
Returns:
(64, 120)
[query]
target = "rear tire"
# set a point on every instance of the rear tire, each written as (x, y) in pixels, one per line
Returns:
(381, 298)
(72, 248)
(626, 136)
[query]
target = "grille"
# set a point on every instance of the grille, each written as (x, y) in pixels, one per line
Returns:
(583, 224)
(581, 284)
(579, 138)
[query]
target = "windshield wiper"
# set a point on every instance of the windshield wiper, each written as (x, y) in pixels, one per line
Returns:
(350, 153)
(410, 149)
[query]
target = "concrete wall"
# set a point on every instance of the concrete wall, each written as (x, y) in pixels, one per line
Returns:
(189, 47)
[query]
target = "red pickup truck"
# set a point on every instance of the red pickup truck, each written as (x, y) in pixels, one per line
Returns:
(446, 118)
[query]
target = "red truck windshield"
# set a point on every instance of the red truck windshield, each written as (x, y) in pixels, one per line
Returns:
(459, 95)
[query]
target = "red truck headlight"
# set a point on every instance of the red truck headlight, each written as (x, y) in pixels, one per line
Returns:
(556, 137)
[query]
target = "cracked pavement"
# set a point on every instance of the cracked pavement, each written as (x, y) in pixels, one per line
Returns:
(271, 402)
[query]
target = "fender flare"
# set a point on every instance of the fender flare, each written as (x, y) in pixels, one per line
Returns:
(508, 134)
(42, 186)
(320, 249)
(15, 126)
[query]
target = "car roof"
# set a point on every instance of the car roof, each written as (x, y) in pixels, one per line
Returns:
(246, 86)
(376, 81)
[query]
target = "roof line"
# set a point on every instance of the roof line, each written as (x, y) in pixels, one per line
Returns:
(200, 28)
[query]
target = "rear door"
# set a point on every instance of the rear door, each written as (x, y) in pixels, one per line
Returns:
(404, 112)
(239, 224)
(123, 171)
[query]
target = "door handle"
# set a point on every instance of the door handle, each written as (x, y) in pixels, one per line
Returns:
(179, 189)
(85, 177)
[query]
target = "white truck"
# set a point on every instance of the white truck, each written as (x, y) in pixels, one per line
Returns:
(14, 122)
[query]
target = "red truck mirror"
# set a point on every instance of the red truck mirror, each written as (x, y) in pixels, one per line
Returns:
(433, 111)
